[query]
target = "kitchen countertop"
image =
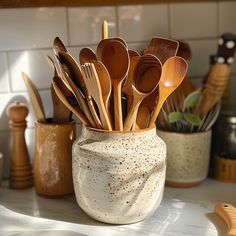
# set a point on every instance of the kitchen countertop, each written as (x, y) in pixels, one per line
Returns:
(182, 212)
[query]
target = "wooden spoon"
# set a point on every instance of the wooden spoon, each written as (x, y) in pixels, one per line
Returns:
(228, 213)
(34, 98)
(133, 53)
(87, 55)
(184, 51)
(162, 48)
(127, 86)
(146, 77)
(110, 52)
(174, 71)
(143, 117)
(69, 100)
(58, 46)
(105, 82)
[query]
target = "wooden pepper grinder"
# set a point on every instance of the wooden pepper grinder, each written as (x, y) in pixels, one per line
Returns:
(21, 175)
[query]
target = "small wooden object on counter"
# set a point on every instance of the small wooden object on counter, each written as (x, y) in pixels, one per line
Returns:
(224, 169)
(228, 213)
(21, 175)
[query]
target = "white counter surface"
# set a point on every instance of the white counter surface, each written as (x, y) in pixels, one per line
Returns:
(182, 212)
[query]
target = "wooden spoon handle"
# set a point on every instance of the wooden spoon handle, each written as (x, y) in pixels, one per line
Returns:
(77, 112)
(132, 115)
(94, 113)
(117, 106)
(104, 30)
(228, 213)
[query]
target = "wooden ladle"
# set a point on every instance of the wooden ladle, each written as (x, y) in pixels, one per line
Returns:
(87, 55)
(174, 71)
(146, 77)
(114, 55)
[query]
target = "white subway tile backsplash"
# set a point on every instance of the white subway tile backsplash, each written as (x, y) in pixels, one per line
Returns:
(142, 22)
(201, 51)
(227, 17)
(31, 27)
(34, 64)
(85, 24)
(4, 78)
(193, 20)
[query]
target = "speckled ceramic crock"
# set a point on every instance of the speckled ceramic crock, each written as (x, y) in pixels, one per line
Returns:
(119, 176)
(188, 156)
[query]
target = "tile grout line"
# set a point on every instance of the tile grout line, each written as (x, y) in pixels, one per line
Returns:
(117, 21)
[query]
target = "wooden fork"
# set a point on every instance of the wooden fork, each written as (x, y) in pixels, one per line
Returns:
(94, 90)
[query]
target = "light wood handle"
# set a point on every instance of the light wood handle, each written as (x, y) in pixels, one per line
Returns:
(104, 30)
(77, 112)
(117, 106)
(228, 213)
(94, 112)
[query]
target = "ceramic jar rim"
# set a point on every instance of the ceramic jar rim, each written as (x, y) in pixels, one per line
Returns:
(49, 122)
(118, 132)
(184, 133)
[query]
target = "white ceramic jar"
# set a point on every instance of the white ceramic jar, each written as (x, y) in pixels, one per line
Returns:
(188, 156)
(119, 176)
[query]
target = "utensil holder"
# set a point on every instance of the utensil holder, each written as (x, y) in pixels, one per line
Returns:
(53, 158)
(188, 156)
(119, 176)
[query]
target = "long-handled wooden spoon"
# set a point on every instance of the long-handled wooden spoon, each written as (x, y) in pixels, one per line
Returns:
(228, 213)
(173, 72)
(69, 100)
(87, 55)
(147, 74)
(35, 98)
(104, 30)
(114, 55)
(127, 86)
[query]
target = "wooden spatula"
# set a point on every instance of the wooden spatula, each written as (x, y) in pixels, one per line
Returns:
(34, 98)
(162, 48)
(228, 213)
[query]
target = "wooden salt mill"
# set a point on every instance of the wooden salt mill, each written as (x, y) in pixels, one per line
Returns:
(21, 175)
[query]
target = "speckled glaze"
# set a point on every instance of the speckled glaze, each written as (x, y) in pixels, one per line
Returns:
(53, 158)
(119, 176)
(188, 156)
